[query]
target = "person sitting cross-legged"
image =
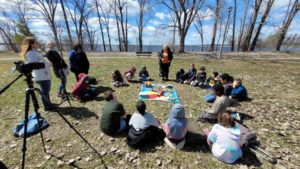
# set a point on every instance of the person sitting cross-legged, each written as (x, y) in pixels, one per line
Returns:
(114, 119)
(239, 92)
(220, 105)
(144, 74)
(176, 127)
(224, 139)
(143, 128)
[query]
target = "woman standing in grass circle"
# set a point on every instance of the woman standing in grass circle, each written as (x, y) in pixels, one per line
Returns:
(165, 59)
(30, 53)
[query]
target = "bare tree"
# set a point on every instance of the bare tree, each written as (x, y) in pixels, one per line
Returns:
(199, 27)
(8, 30)
(120, 6)
(185, 12)
(48, 10)
(286, 24)
(106, 17)
(243, 24)
(90, 34)
(261, 24)
(114, 7)
(67, 23)
(246, 42)
(100, 24)
(225, 32)
(217, 16)
(79, 12)
(233, 27)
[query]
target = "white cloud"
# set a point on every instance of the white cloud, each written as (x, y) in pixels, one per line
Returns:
(155, 22)
(160, 15)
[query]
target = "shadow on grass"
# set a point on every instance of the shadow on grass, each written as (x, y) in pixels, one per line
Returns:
(196, 142)
(77, 112)
(249, 159)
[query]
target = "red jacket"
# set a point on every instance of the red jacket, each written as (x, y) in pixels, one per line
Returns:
(80, 86)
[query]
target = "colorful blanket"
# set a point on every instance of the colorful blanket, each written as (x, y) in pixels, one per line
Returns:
(158, 92)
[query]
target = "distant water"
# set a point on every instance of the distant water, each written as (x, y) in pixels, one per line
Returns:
(158, 48)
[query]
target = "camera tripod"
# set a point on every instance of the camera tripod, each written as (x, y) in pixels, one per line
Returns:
(30, 94)
(63, 80)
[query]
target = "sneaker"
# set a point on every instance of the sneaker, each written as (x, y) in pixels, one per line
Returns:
(178, 146)
(207, 117)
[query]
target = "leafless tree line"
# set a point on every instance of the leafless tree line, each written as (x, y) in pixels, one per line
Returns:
(183, 15)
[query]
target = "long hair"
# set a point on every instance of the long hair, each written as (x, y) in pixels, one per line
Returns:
(225, 120)
(26, 46)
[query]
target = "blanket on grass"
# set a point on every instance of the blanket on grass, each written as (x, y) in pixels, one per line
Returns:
(158, 92)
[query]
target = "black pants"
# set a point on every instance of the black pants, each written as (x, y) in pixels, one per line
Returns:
(165, 70)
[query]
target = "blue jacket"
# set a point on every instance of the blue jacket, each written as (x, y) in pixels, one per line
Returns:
(239, 93)
(73, 57)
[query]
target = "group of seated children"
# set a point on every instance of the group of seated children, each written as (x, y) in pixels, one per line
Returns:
(192, 77)
(119, 81)
(143, 128)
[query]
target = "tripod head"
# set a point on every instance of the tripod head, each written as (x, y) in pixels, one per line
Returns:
(24, 69)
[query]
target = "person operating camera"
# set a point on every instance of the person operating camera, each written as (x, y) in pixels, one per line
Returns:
(29, 51)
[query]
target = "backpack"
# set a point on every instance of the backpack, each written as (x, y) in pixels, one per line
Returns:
(135, 137)
(32, 126)
(248, 137)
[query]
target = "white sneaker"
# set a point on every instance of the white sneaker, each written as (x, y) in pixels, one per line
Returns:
(178, 146)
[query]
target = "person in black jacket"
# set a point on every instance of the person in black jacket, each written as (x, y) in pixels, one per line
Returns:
(165, 59)
(60, 68)
(79, 62)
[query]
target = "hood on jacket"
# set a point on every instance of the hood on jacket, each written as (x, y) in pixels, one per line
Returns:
(177, 111)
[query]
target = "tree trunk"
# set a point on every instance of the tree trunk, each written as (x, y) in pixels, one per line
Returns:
(287, 24)
(67, 24)
(126, 29)
(181, 41)
(242, 26)
(233, 27)
(246, 43)
(122, 26)
(261, 24)
(225, 33)
(100, 24)
(217, 15)
(141, 16)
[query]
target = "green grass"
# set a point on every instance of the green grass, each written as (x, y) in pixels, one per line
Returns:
(274, 87)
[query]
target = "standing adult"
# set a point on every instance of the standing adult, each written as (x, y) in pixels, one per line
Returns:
(60, 68)
(30, 53)
(165, 59)
(79, 62)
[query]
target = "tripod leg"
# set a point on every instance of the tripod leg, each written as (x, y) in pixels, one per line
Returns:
(38, 115)
(72, 127)
(27, 97)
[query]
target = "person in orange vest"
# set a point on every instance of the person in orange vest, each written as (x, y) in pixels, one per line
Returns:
(165, 59)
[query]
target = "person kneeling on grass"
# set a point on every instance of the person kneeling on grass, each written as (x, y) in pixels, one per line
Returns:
(176, 127)
(144, 74)
(114, 119)
(224, 139)
(118, 80)
(220, 105)
(129, 74)
(239, 92)
(143, 128)
(82, 89)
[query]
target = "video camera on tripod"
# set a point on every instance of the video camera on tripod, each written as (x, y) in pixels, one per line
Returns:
(25, 68)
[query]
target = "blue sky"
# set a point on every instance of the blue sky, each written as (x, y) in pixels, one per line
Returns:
(153, 32)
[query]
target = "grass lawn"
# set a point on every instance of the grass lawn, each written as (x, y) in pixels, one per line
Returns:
(274, 87)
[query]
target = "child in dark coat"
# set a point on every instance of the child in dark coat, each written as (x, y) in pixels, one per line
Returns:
(239, 92)
(200, 78)
(144, 74)
(118, 80)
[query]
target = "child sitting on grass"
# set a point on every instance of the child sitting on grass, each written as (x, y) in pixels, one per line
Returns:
(200, 78)
(176, 127)
(211, 81)
(82, 89)
(224, 139)
(190, 75)
(239, 92)
(143, 128)
(220, 105)
(118, 80)
(179, 75)
(129, 74)
(144, 74)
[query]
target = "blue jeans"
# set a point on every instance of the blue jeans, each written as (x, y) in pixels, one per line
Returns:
(210, 98)
(144, 78)
(123, 125)
(45, 87)
(63, 83)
